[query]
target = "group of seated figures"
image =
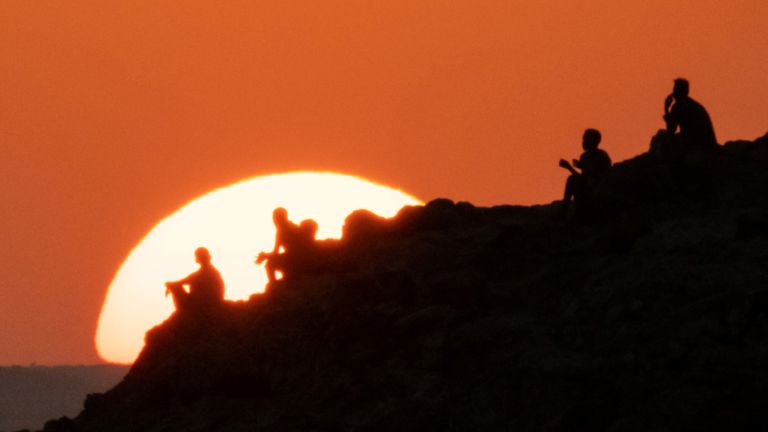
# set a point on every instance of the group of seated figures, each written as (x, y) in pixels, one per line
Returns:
(297, 250)
(295, 246)
(695, 140)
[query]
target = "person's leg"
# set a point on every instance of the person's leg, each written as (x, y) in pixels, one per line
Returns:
(276, 263)
(576, 186)
(571, 190)
(269, 266)
(180, 297)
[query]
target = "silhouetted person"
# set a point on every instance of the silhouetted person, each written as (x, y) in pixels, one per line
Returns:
(690, 155)
(288, 238)
(307, 234)
(680, 111)
(206, 287)
(593, 164)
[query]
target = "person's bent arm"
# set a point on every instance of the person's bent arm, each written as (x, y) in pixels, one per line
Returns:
(671, 120)
(263, 256)
(567, 165)
(169, 286)
(668, 103)
(671, 124)
(278, 242)
(186, 281)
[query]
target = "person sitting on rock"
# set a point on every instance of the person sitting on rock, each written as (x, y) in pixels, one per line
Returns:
(288, 240)
(681, 111)
(306, 257)
(594, 163)
(206, 287)
(307, 234)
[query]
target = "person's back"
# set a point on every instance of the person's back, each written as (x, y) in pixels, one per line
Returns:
(206, 286)
(594, 163)
(307, 243)
(696, 129)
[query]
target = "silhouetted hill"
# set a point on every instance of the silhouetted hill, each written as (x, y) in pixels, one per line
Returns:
(29, 396)
(454, 317)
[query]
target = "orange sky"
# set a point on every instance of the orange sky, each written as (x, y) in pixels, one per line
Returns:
(113, 114)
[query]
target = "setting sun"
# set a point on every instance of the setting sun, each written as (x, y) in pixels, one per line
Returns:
(234, 223)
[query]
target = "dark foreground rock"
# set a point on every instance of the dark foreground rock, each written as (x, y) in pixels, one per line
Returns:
(453, 317)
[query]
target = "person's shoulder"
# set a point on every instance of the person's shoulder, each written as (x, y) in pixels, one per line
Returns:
(696, 105)
(288, 229)
(295, 228)
(597, 152)
(217, 274)
(291, 225)
(212, 273)
(687, 104)
(601, 157)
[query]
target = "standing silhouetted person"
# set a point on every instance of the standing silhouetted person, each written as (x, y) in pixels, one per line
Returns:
(206, 287)
(680, 111)
(594, 163)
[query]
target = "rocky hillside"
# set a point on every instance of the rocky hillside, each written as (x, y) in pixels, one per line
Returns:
(651, 317)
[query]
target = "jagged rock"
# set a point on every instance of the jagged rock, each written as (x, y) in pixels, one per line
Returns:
(455, 317)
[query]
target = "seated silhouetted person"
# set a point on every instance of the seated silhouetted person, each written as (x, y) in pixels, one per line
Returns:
(307, 235)
(586, 171)
(307, 256)
(680, 111)
(288, 244)
(206, 287)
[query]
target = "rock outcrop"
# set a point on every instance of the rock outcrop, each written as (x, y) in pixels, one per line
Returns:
(455, 317)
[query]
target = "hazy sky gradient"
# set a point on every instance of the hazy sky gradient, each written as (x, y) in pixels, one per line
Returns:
(113, 114)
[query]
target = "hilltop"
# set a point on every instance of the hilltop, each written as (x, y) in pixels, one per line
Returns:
(456, 317)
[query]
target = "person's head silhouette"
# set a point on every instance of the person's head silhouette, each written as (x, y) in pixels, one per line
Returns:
(280, 216)
(591, 139)
(680, 89)
(202, 256)
(309, 228)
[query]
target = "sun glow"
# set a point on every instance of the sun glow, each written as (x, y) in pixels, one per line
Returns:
(234, 223)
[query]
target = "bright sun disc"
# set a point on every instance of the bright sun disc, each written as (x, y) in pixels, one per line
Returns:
(234, 223)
